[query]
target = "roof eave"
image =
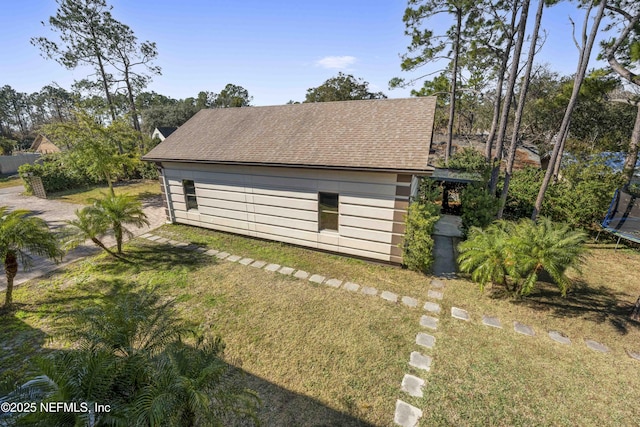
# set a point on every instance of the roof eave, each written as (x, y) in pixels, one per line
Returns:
(426, 171)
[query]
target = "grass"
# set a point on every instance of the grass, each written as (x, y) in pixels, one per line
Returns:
(140, 189)
(315, 354)
(488, 376)
(365, 273)
(10, 181)
(321, 356)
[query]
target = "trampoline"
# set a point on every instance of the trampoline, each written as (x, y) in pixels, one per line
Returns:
(623, 217)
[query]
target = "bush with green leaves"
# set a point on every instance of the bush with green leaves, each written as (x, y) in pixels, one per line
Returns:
(479, 208)
(514, 254)
(468, 160)
(58, 173)
(417, 250)
(130, 352)
(581, 196)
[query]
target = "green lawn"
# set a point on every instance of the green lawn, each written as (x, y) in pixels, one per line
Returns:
(82, 196)
(10, 182)
(322, 356)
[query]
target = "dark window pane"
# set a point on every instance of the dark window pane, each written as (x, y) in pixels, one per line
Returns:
(190, 194)
(328, 211)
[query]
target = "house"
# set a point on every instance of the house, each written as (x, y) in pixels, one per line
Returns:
(163, 132)
(43, 145)
(334, 176)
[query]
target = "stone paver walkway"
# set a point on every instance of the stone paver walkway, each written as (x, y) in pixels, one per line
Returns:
(520, 328)
(446, 229)
(407, 415)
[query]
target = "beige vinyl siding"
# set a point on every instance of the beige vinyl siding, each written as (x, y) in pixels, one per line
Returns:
(282, 204)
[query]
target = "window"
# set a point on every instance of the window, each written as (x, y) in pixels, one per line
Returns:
(190, 194)
(328, 211)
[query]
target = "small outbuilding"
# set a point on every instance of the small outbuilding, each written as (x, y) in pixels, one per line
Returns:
(43, 145)
(163, 132)
(334, 176)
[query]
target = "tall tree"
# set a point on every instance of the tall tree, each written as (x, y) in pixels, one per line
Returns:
(85, 29)
(515, 137)
(426, 47)
(126, 56)
(233, 96)
(623, 55)
(508, 97)
(502, 54)
(343, 87)
(583, 62)
(95, 146)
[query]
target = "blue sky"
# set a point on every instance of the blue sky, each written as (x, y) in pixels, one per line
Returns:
(275, 49)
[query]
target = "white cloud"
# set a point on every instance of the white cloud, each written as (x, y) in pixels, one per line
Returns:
(336, 62)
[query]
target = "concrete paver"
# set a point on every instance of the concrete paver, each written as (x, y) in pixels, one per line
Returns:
(425, 340)
(596, 346)
(432, 307)
(559, 337)
(412, 385)
(368, 290)
(389, 296)
(406, 415)
(429, 322)
(316, 278)
(459, 313)
(350, 286)
(523, 329)
(300, 274)
(287, 271)
(494, 322)
(409, 301)
(420, 361)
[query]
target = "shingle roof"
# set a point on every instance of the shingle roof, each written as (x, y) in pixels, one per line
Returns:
(389, 134)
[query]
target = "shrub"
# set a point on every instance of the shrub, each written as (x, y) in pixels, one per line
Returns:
(417, 251)
(129, 350)
(468, 160)
(514, 254)
(479, 208)
(580, 198)
(57, 173)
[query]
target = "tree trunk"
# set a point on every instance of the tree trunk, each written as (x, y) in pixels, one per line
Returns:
(558, 165)
(564, 127)
(454, 81)
(635, 314)
(11, 269)
(520, 110)
(134, 111)
(508, 96)
(632, 154)
(105, 84)
(117, 231)
(498, 101)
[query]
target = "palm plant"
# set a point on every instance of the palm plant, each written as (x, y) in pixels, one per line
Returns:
(485, 254)
(130, 353)
(22, 236)
(86, 227)
(545, 245)
(117, 211)
(514, 254)
(109, 213)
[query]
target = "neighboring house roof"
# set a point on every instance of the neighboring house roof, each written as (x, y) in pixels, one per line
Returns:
(386, 134)
(163, 131)
(42, 145)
